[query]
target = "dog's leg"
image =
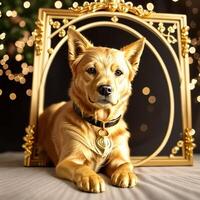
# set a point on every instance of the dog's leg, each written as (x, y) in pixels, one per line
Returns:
(82, 175)
(121, 171)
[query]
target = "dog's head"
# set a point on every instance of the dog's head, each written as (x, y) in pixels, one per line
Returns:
(102, 76)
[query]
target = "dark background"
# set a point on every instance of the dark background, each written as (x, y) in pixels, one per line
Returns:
(14, 115)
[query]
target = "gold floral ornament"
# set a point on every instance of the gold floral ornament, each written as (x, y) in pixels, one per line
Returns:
(112, 6)
(29, 140)
(185, 40)
(37, 34)
(189, 143)
(168, 35)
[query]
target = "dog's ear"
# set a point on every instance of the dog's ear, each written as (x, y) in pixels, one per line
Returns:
(133, 54)
(77, 44)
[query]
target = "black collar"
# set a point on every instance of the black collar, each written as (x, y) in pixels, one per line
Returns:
(94, 122)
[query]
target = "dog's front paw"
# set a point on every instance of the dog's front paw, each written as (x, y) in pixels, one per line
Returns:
(123, 178)
(89, 181)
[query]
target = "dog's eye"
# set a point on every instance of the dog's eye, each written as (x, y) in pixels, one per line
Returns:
(118, 72)
(91, 70)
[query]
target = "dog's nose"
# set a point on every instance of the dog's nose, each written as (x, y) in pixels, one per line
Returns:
(105, 90)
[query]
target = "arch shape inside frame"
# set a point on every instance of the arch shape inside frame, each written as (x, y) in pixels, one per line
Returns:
(134, 33)
(128, 17)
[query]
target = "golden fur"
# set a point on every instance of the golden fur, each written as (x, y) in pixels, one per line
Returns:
(68, 139)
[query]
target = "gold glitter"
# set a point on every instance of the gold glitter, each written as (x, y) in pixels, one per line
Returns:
(75, 4)
(114, 19)
(175, 150)
(9, 13)
(198, 98)
(50, 50)
(51, 22)
(20, 44)
(65, 21)
(150, 7)
(5, 66)
(194, 41)
(2, 36)
(194, 81)
(18, 57)
(22, 23)
(12, 96)
(58, 4)
(190, 60)
(62, 33)
(29, 92)
(30, 42)
(11, 77)
(6, 57)
(30, 68)
(25, 71)
(8, 72)
(56, 25)
(73, 27)
(1, 72)
(152, 99)
(86, 3)
(19, 50)
(1, 92)
(143, 127)
(192, 50)
(14, 13)
(2, 62)
(27, 4)
(146, 90)
(191, 86)
(22, 80)
(17, 78)
(1, 46)
(180, 143)
(24, 65)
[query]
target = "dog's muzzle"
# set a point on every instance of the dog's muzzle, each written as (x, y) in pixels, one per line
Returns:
(104, 90)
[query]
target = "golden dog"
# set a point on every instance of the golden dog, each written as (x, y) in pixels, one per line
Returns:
(88, 132)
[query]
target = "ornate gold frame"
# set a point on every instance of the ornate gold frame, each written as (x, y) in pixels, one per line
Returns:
(115, 10)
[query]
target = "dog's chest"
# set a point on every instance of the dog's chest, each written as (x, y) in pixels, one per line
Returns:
(96, 162)
(99, 145)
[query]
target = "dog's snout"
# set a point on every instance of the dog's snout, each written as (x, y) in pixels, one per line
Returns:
(105, 90)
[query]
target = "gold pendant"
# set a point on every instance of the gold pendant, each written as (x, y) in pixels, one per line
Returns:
(103, 143)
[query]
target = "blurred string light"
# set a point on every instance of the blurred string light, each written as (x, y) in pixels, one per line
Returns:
(27, 4)
(20, 51)
(19, 47)
(58, 4)
(12, 96)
